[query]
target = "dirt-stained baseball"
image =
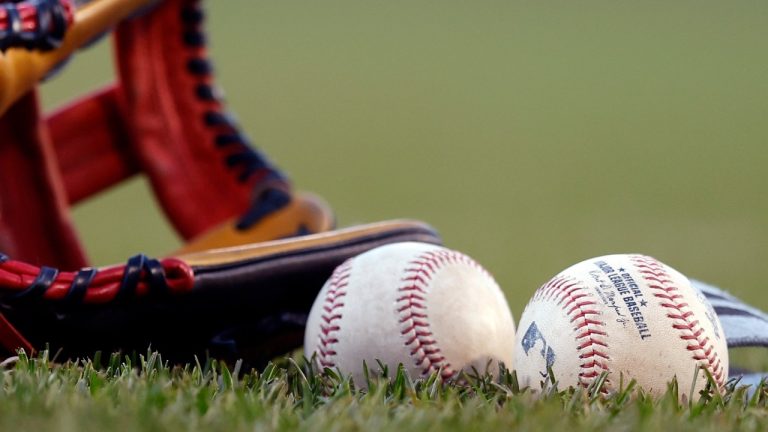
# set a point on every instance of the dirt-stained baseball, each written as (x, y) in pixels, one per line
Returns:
(425, 306)
(628, 315)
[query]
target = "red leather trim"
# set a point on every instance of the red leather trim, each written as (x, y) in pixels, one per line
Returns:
(35, 225)
(170, 138)
(92, 144)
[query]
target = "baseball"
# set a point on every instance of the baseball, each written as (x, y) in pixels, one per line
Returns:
(628, 315)
(425, 306)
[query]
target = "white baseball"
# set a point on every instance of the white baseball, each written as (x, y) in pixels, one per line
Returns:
(628, 315)
(427, 307)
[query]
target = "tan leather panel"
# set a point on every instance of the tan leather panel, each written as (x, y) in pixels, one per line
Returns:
(306, 211)
(244, 252)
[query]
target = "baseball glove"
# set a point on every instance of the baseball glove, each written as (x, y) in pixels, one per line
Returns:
(163, 118)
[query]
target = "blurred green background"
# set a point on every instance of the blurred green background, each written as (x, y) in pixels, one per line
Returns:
(532, 135)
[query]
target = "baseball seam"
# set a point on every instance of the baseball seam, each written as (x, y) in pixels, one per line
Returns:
(690, 331)
(331, 315)
(569, 294)
(411, 305)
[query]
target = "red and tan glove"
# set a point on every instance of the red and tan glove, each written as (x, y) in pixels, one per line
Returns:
(162, 118)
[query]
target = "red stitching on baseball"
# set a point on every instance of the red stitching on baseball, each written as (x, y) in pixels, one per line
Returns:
(413, 311)
(575, 300)
(331, 317)
(703, 350)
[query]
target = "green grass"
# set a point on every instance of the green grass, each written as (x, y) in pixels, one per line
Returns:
(147, 394)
